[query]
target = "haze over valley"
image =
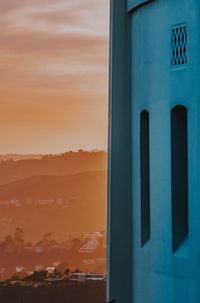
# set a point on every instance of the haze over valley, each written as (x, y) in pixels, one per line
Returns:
(60, 199)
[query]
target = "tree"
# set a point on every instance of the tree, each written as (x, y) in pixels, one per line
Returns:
(37, 276)
(8, 245)
(48, 240)
(19, 238)
(67, 272)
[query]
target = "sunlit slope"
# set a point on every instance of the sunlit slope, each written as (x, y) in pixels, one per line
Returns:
(63, 164)
(59, 204)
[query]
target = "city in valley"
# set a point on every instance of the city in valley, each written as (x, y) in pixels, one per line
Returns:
(52, 224)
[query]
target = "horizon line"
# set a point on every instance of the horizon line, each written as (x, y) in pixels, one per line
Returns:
(56, 153)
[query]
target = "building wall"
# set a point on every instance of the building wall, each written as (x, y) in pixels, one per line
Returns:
(159, 274)
(119, 269)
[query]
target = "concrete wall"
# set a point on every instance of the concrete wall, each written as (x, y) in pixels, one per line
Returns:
(159, 274)
(119, 211)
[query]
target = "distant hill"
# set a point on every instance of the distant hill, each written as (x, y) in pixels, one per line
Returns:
(17, 157)
(65, 164)
(74, 204)
(54, 187)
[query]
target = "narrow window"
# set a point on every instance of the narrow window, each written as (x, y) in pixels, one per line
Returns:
(145, 177)
(179, 177)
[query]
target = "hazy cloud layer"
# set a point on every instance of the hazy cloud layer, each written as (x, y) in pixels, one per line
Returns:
(53, 80)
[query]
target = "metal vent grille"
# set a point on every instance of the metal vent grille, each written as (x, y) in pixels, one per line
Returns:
(179, 46)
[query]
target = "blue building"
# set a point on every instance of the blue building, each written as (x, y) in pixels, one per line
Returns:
(154, 152)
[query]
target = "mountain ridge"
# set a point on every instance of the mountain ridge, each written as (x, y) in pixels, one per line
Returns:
(64, 164)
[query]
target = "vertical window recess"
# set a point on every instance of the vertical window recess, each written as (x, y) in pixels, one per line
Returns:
(179, 175)
(145, 177)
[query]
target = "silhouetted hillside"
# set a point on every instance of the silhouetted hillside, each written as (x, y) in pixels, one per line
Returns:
(17, 157)
(64, 164)
(72, 293)
(82, 185)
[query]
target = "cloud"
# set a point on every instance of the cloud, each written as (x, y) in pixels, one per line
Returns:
(54, 52)
(73, 38)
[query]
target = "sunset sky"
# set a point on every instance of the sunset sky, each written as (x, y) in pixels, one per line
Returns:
(54, 75)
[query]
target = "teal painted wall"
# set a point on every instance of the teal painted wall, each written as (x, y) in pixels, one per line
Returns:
(134, 3)
(159, 275)
(142, 78)
(119, 269)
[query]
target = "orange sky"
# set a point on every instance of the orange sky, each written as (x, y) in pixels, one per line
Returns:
(53, 75)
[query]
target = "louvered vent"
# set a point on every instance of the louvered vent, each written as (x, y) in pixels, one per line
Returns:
(179, 46)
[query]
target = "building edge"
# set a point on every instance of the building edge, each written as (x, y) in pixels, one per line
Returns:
(119, 252)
